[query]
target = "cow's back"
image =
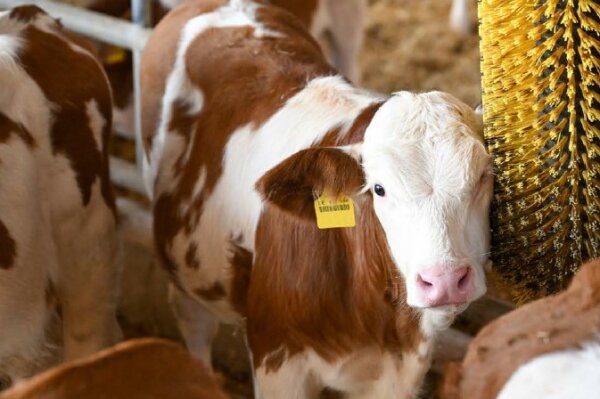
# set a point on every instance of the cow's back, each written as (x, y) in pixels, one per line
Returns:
(56, 205)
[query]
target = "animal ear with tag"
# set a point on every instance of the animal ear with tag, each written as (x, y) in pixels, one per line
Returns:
(305, 177)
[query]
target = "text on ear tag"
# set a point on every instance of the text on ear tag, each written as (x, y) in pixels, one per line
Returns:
(334, 213)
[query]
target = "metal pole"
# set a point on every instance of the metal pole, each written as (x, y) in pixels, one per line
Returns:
(141, 15)
(91, 24)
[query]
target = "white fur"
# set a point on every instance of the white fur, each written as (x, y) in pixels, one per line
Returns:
(97, 122)
(367, 374)
(569, 374)
(59, 241)
(429, 160)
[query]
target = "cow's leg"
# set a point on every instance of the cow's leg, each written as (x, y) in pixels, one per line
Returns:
(197, 325)
(27, 255)
(346, 26)
(293, 379)
(88, 280)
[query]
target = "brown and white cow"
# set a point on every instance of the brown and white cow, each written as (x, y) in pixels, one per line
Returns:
(245, 124)
(547, 349)
(57, 213)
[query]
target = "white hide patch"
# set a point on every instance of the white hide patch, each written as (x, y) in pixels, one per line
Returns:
(367, 373)
(570, 374)
(10, 46)
(97, 122)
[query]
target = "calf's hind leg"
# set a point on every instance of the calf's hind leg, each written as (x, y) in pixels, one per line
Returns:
(88, 282)
(197, 325)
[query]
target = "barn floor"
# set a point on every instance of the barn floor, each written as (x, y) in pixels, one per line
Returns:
(408, 46)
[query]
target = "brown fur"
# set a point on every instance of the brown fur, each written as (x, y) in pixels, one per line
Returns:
(212, 293)
(25, 13)
(552, 324)
(302, 9)
(144, 368)
(294, 184)
(8, 248)
(356, 133)
(8, 127)
(71, 134)
(241, 263)
(333, 290)
(190, 257)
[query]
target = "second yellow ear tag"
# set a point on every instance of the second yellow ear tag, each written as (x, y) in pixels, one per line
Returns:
(334, 213)
(115, 55)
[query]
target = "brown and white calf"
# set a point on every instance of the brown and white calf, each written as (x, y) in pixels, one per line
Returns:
(245, 124)
(57, 213)
(140, 368)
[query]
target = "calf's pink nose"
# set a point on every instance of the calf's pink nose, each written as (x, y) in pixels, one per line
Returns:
(440, 285)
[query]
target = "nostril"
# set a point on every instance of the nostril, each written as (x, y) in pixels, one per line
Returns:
(464, 280)
(424, 284)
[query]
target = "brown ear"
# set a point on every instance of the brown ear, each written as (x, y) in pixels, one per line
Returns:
(293, 184)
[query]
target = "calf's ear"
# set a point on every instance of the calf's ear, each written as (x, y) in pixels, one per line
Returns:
(293, 184)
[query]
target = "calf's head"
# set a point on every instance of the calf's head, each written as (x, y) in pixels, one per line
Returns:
(423, 161)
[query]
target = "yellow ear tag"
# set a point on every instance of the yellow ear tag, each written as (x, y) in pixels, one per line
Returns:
(115, 55)
(334, 213)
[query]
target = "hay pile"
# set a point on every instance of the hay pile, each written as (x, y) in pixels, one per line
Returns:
(409, 45)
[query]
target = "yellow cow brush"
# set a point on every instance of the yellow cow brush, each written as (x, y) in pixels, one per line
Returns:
(541, 98)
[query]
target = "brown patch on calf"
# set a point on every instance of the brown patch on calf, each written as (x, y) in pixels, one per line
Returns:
(551, 324)
(356, 133)
(50, 294)
(303, 9)
(26, 13)
(238, 89)
(274, 360)
(241, 263)
(212, 293)
(8, 127)
(8, 248)
(54, 66)
(295, 183)
(190, 256)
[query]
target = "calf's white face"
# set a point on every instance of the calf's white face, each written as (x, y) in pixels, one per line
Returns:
(424, 160)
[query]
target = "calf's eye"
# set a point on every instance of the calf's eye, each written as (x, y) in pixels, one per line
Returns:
(379, 190)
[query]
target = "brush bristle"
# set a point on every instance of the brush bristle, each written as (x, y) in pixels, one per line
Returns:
(541, 97)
